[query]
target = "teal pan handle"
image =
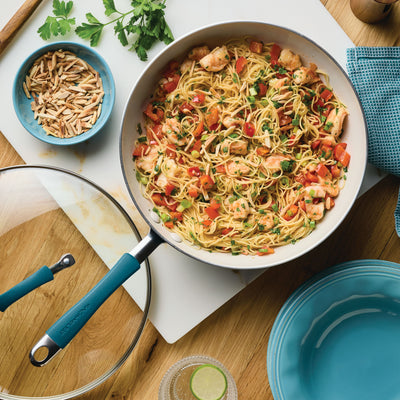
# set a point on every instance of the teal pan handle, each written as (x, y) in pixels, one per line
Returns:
(64, 329)
(40, 277)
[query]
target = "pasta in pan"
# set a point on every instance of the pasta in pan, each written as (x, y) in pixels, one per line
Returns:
(240, 149)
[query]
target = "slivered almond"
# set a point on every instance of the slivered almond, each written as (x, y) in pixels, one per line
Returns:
(67, 93)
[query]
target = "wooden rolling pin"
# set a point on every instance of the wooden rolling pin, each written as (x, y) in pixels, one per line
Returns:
(16, 22)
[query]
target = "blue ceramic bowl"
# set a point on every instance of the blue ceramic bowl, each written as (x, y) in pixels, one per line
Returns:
(22, 104)
(337, 336)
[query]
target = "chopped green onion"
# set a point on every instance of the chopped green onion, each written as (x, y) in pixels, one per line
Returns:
(253, 92)
(195, 154)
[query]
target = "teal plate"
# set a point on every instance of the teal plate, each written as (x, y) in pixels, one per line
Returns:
(338, 336)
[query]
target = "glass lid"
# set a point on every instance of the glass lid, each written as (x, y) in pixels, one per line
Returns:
(46, 213)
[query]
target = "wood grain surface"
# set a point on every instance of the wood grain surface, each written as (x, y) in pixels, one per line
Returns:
(237, 333)
(16, 22)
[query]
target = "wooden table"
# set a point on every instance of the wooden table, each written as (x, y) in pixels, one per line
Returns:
(237, 334)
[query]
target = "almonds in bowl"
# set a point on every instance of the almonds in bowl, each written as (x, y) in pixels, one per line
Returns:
(64, 93)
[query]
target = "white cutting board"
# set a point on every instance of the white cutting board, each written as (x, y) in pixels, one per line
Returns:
(185, 291)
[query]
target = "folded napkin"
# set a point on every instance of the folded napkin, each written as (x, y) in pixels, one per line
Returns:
(375, 73)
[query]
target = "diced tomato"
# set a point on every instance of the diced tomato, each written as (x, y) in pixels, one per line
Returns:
(220, 169)
(199, 129)
(326, 150)
(212, 117)
(262, 89)
(262, 151)
(194, 171)
(240, 64)
(292, 141)
(176, 215)
(327, 110)
(215, 204)
(207, 222)
(185, 108)
(193, 192)
(326, 95)
(256, 47)
(302, 205)
(341, 155)
(301, 179)
(226, 231)
(275, 53)
(291, 212)
(211, 212)
(154, 131)
(335, 171)
(266, 251)
(206, 182)
(169, 224)
(140, 149)
(154, 113)
(214, 127)
(170, 151)
(323, 171)
(171, 83)
(196, 146)
(158, 199)
(171, 69)
(311, 177)
(199, 98)
(169, 189)
(315, 144)
(249, 129)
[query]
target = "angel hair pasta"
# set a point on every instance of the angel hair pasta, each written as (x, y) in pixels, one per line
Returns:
(240, 150)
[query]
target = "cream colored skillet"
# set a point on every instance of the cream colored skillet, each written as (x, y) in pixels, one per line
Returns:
(355, 135)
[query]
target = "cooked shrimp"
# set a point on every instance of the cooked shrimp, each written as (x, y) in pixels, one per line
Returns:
(216, 60)
(266, 222)
(169, 170)
(315, 211)
(186, 66)
(172, 129)
(235, 147)
(273, 162)
(334, 122)
(148, 161)
(197, 53)
(289, 60)
(228, 122)
(278, 83)
(305, 75)
(240, 208)
(236, 168)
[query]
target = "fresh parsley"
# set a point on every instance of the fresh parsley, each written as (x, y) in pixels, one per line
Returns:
(59, 24)
(140, 27)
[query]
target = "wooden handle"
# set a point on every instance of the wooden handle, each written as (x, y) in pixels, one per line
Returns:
(17, 20)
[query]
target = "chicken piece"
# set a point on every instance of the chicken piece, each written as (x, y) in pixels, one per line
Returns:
(306, 75)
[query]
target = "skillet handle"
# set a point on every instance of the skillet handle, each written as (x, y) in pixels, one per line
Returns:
(64, 330)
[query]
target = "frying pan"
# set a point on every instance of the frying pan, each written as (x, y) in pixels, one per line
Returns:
(355, 135)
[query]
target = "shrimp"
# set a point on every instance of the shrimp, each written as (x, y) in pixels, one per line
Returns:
(172, 129)
(186, 66)
(170, 170)
(216, 60)
(197, 53)
(240, 208)
(315, 211)
(148, 161)
(228, 122)
(235, 147)
(289, 60)
(273, 162)
(278, 83)
(334, 122)
(236, 168)
(305, 75)
(266, 222)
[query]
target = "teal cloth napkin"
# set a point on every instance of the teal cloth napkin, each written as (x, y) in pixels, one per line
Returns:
(375, 73)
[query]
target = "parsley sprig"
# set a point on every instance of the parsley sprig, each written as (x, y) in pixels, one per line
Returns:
(141, 26)
(59, 24)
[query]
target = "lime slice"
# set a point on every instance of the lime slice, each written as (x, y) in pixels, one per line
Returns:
(208, 382)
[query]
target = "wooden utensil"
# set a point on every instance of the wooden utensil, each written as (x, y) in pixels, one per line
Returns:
(16, 22)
